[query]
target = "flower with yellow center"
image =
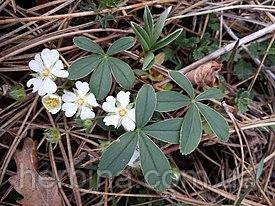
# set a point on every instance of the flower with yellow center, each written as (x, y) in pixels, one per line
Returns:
(81, 101)
(120, 111)
(46, 72)
(48, 67)
(52, 103)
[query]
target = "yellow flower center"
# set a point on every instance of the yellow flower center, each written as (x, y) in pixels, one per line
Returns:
(80, 101)
(122, 112)
(51, 102)
(46, 72)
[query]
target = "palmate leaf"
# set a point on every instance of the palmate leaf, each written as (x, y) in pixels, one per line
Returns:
(120, 45)
(243, 69)
(183, 82)
(167, 40)
(191, 130)
(167, 130)
(145, 105)
(154, 164)
(243, 100)
(216, 121)
(212, 93)
(171, 101)
(88, 45)
(103, 66)
(149, 61)
(122, 72)
(160, 24)
(116, 157)
(101, 80)
(84, 66)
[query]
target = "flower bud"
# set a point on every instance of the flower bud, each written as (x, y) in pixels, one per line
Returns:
(18, 93)
(52, 135)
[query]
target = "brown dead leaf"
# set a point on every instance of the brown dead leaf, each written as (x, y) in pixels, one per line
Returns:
(37, 190)
(159, 58)
(206, 74)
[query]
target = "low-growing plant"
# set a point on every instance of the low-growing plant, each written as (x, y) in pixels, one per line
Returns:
(185, 131)
(149, 36)
(103, 65)
(243, 100)
(191, 127)
(84, 99)
(243, 69)
(104, 18)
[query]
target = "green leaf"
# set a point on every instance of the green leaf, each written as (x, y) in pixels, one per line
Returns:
(154, 164)
(88, 45)
(122, 72)
(259, 169)
(84, 66)
(183, 82)
(243, 100)
(171, 101)
(216, 121)
(212, 93)
(120, 45)
(191, 130)
(148, 21)
(198, 54)
(116, 157)
(167, 40)
(142, 36)
(160, 24)
(167, 130)
(243, 70)
(101, 80)
(145, 105)
(94, 181)
(149, 61)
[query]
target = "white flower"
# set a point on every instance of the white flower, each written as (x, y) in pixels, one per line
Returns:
(52, 103)
(80, 100)
(134, 161)
(48, 66)
(119, 111)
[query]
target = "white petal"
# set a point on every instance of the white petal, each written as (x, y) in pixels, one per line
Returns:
(123, 98)
(133, 161)
(47, 87)
(69, 108)
(132, 114)
(82, 88)
(58, 70)
(111, 120)
(109, 105)
(38, 59)
(49, 57)
(90, 99)
(86, 113)
(69, 96)
(35, 66)
(36, 82)
(55, 110)
(128, 124)
(52, 110)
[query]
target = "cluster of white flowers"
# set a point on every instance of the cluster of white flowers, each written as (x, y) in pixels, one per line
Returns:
(81, 101)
